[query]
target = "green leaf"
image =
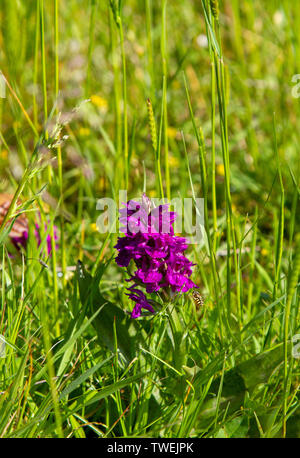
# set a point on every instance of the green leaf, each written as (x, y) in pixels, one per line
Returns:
(77, 429)
(128, 332)
(96, 396)
(234, 428)
(241, 379)
(238, 427)
(82, 378)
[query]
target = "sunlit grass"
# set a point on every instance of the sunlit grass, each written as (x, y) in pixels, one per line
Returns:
(175, 99)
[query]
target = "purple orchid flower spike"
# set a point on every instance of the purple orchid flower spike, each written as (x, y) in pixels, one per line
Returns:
(158, 254)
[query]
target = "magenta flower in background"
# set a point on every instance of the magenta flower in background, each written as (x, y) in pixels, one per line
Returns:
(157, 253)
(37, 233)
(20, 238)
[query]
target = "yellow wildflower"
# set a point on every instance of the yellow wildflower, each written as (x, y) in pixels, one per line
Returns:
(173, 161)
(4, 154)
(172, 132)
(84, 131)
(99, 101)
(220, 170)
(93, 227)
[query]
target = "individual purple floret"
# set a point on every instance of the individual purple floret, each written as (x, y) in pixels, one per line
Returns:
(141, 302)
(157, 253)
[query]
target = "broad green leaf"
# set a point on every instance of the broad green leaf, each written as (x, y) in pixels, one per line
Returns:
(241, 379)
(92, 299)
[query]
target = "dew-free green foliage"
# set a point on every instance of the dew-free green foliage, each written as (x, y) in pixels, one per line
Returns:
(177, 99)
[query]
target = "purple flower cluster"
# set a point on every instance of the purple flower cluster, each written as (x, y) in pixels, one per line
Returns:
(20, 239)
(157, 253)
(37, 233)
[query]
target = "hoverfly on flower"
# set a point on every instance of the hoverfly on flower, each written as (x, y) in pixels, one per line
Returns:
(198, 299)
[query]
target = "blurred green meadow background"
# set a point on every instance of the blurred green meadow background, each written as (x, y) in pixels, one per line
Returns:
(178, 99)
